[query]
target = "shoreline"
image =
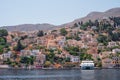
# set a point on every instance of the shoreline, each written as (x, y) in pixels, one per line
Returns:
(52, 68)
(55, 68)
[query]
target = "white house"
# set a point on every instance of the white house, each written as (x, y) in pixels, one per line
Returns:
(74, 59)
(116, 51)
(25, 52)
(112, 44)
(7, 55)
(35, 52)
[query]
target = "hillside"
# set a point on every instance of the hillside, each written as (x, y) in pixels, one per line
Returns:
(91, 16)
(29, 27)
(97, 15)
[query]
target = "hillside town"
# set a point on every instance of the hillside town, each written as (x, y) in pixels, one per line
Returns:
(64, 47)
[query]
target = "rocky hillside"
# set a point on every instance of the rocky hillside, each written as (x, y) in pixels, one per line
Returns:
(29, 27)
(97, 15)
(91, 16)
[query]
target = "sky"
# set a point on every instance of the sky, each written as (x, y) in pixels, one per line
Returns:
(15, 12)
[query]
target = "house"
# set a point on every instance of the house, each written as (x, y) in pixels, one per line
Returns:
(75, 43)
(7, 55)
(107, 63)
(52, 44)
(116, 61)
(61, 41)
(25, 53)
(116, 51)
(35, 52)
(39, 60)
(112, 44)
(75, 59)
(41, 41)
(100, 46)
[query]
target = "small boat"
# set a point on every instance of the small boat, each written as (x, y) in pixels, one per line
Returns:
(87, 65)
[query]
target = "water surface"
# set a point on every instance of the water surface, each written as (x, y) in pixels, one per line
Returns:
(20, 74)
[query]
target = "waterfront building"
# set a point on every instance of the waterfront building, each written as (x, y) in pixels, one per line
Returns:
(116, 61)
(7, 55)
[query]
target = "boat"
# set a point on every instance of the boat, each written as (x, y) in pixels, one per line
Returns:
(87, 65)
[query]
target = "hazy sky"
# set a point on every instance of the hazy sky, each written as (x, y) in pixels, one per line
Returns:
(13, 12)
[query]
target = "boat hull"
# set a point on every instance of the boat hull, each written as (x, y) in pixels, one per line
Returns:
(87, 67)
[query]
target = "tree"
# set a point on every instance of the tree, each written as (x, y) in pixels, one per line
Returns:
(8, 61)
(115, 37)
(102, 39)
(67, 59)
(72, 50)
(1, 49)
(96, 23)
(58, 59)
(3, 32)
(2, 41)
(84, 26)
(40, 33)
(47, 64)
(75, 25)
(84, 56)
(90, 23)
(27, 60)
(19, 46)
(63, 31)
(50, 57)
(23, 37)
(80, 23)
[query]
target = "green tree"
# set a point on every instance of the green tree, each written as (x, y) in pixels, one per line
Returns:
(63, 31)
(84, 26)
(1, 49)
(102, 39)
(115, 37)
(84, 56)
(19, 46)
(75, 25)
(40, 33)
(50, 57)
(96, 23)
(2, 41)
(90, 23)
(67, 59)
(28, 60)
(58, 59)
(3, 32)
(72, 50)
(23, 37)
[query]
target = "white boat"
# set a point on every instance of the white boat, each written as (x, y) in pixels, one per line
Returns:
(87, 65)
